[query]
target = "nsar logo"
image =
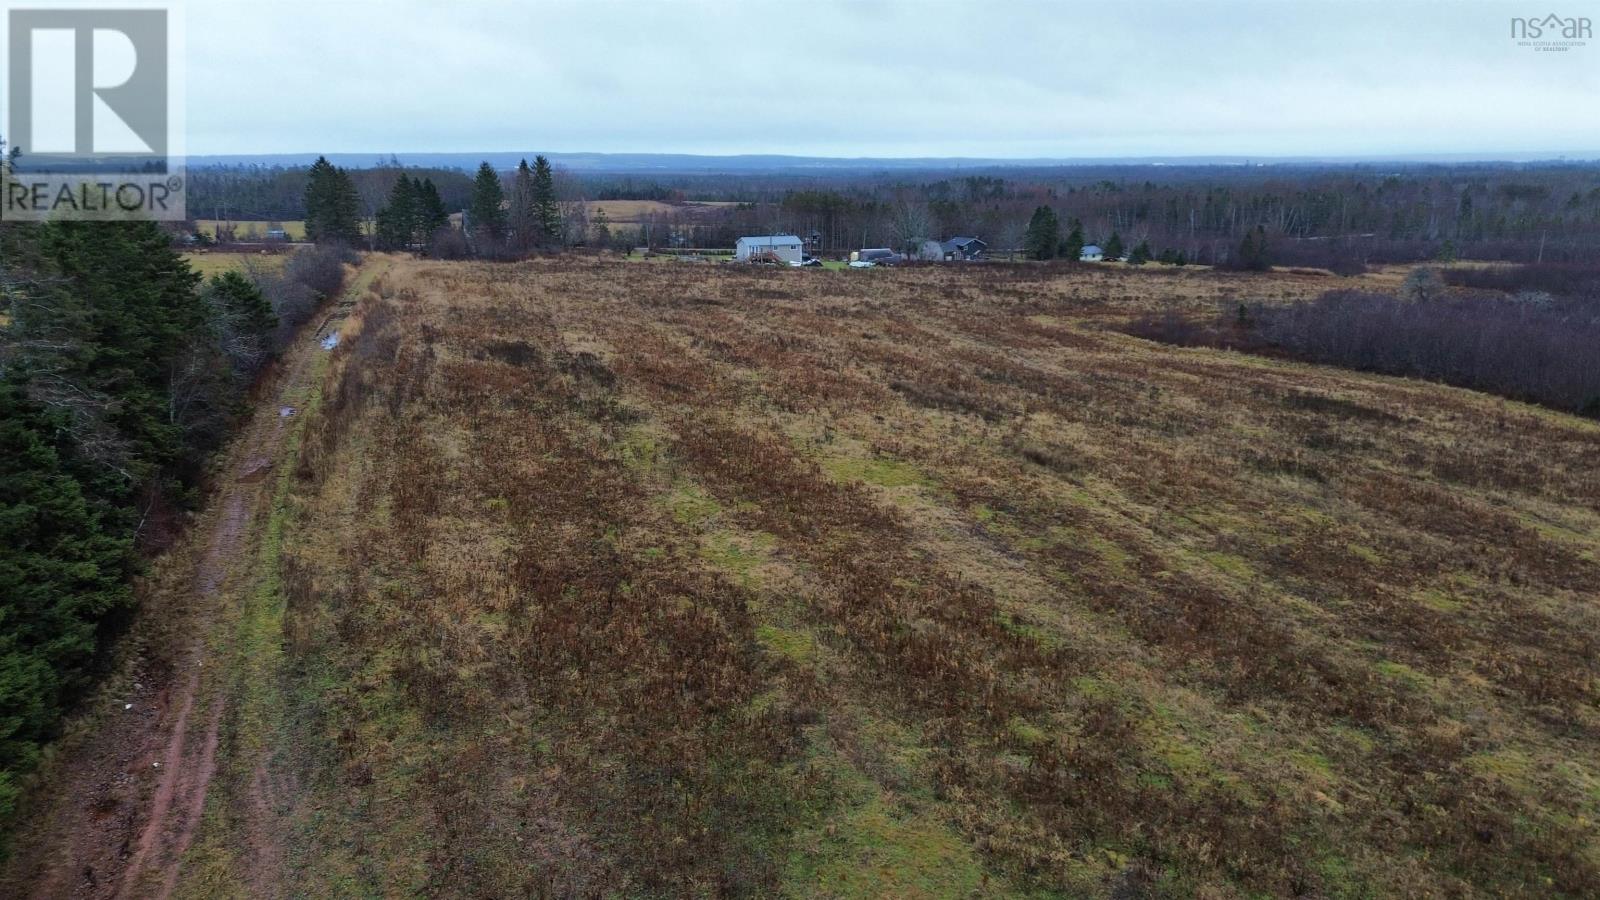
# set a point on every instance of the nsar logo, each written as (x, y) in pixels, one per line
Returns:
(1552, 33)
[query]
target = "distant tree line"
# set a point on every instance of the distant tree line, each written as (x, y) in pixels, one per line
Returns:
(278, 194)
(414, 216)
(1342, 218)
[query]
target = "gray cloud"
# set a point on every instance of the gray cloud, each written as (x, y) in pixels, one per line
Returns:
(885, 78)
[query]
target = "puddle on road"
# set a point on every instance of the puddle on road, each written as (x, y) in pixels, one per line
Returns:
(331, 341)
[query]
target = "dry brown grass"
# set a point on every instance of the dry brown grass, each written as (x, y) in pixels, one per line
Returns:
(628, 212)
(611, 578)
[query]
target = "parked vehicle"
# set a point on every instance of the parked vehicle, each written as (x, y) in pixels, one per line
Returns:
(877, 256)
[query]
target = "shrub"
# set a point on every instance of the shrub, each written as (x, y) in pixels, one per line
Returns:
(1545, 353)
(1551, 278)
(312, 275)
(1422, 285)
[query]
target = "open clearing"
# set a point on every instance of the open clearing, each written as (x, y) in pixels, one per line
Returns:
(294, 230)
(212, 262)
(586, 578)
(678, 580)
(634, 211)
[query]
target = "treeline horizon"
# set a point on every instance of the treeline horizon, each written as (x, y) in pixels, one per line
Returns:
(1339, 217)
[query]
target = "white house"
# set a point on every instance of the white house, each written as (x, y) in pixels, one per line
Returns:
(1091, 253)
(785, 247)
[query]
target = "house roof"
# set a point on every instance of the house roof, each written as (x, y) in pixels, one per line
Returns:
(960, 243)
(1092, 248)
(770, 239)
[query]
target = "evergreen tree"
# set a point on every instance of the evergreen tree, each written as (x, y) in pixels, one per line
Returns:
(112, 371)
(431, 213)
(111, 319)
(242, 302)
(398, 221)
(62, 576)
(1180, 259)
(547, 210)
(333, 207)
(485, 213)
(526, 230)
(1113, 248)
(243, 319)
(1140, 254)
(1253, 254)
(1072, 247)
(1043, 237)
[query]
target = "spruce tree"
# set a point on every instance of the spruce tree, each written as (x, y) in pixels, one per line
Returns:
(544, 202)
(485, 213)
(526, 232)
(430, 209)
(398, 221)
(1043, 236)
(1113, 248)
(62, 575)
(333, 207)
(1072, 247)
(1140, 254)
(245, 307)
(1253, 254)
(112, 318)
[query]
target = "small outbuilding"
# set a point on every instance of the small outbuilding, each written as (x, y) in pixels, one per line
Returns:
(783, 247)
(1091, 253)
(964, 248)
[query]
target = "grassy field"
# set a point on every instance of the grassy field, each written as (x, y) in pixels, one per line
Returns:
(245, 231)
(215, 263)
(640, 580)
(632, 211)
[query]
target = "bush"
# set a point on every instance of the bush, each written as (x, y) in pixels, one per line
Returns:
(1545, 353)
(312, 275)
(1550, 278)
(449, 243)
(319, 268)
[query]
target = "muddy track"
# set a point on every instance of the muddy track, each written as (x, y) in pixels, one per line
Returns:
(125, 803)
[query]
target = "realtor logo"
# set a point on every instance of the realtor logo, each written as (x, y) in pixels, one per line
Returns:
(90, 106)
(1552, 33)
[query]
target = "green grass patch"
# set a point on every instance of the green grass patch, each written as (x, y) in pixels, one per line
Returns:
(692, 506)
(738, 553)
(1236, 566)
(874, 848)
(791, 644)
(881, 471)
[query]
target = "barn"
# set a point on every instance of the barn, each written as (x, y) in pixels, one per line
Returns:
(785, 247)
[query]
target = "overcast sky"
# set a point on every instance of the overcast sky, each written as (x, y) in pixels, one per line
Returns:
(886, 78)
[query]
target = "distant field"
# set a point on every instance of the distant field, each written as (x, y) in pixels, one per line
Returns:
(213, 263)
(244, 231)
(630, 211)
(609, 579)
(295, 230)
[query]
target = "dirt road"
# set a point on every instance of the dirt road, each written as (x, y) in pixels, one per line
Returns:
(126, 799)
